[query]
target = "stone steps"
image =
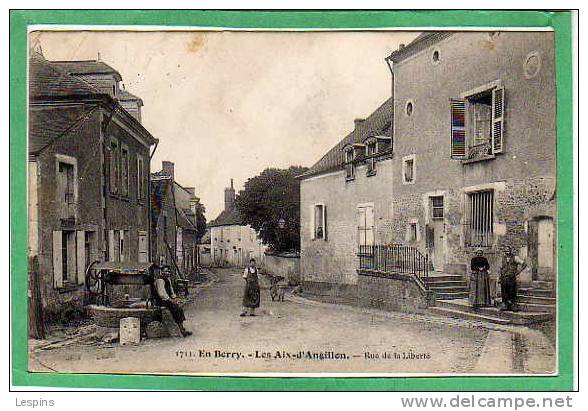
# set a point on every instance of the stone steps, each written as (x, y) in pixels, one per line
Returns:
(460, 308)
(536, 292)
(447, 286)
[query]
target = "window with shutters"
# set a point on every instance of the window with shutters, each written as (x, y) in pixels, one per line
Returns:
(371, 150)
(479, 219)
(365, 225)
(66, 190)
(477, 124)
(68, 257)
(437, 207)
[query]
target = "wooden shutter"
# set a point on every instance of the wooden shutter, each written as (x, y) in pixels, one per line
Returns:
(57, 260)
(312, 222)
(142, 247)
(497, 119)
(325, 222)
(81, 256)
(458, 135)
(369, 226)
(111, 255)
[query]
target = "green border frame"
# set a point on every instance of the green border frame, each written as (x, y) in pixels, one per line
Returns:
(559, 21)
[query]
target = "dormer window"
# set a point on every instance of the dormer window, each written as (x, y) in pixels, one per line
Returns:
(349, 163)
(371, 150)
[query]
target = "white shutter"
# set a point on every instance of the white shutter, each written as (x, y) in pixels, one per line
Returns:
(312, 222)
(111, 256)
(57, 262)
(142, 247)
(122, 245)
(369, 223)
(81, 256)
(498, 101)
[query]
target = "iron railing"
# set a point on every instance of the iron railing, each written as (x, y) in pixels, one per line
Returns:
(480, 150)
(395, 258)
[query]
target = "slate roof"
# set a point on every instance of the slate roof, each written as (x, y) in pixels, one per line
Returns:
(378, 123)
(87, 67)
(48, 79)
(124, 95)
(227, 217)
(47, 125)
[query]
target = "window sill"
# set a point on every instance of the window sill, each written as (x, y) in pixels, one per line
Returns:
(348, 179)
(478, 159)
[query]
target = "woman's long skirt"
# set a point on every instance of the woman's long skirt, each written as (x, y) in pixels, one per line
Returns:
(479, 289)
(251, 294)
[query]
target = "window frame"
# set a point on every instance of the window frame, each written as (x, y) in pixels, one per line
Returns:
(124, 179)
(114, 166)
(314, 227)
(405, 161)
(349, 162)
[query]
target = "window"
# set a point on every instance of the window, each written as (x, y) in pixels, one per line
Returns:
(68, 256)
(408, 170)
(113, 167)
(371, 151)
(88, 248)
(365, 225)
(319, 218)
(413, 232)
(435, 57)
(349, 164)
(141, 183)
(480, 219)
(437, 207)
(66, 189)
(409, 108)
(477, 123)
(124, 170)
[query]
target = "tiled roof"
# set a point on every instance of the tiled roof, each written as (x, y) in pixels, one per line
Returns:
(86, 67)
(48, 79)
(378, 123)
(227, 217)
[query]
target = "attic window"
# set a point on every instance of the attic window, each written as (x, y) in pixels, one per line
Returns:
(409, 108)
(349, 163)
(371, 149)
(435, 57)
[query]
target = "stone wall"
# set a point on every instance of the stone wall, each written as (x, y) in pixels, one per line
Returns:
(393, 292)
(284, 265)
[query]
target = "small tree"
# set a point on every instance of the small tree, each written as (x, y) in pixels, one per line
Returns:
(200, 219)
(270, 203)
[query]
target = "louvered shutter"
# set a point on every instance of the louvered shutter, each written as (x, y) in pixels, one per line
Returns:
(111, 245)
(497, 119)
(57, 260)
(458, 135)
(81, 256)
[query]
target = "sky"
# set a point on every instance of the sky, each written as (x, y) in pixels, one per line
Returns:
(230, 104)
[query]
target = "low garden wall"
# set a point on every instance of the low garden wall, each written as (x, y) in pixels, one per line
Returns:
(286, 265)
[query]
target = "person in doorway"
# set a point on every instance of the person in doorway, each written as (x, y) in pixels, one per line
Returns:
(479, 295)
(166, 297)
(251, 297)
(511, 267)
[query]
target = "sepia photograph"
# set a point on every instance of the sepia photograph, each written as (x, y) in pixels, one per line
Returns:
(292, 203)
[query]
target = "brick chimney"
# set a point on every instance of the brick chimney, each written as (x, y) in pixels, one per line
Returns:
(230, 197)
(168, 168)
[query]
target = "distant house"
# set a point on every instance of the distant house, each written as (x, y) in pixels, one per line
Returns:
(232, 241)
(461, 156)
(174, 231)
(88, 177)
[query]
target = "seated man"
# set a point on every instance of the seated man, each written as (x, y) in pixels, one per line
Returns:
(166, 297)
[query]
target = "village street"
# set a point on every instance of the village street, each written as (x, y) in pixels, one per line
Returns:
(375, 341)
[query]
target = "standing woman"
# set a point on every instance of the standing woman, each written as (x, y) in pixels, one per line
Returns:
(251, 294)
(479, 281)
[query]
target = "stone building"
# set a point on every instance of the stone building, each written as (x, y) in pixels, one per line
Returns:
(88, 174)
(174, 233)
(232, 241)
(472, 164)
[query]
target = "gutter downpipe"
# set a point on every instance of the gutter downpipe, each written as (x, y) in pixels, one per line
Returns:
(149, 200)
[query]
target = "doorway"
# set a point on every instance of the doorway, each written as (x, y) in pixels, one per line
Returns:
(436, 233)
(542, 248)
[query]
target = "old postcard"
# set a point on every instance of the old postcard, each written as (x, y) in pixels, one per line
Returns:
(333, 203)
